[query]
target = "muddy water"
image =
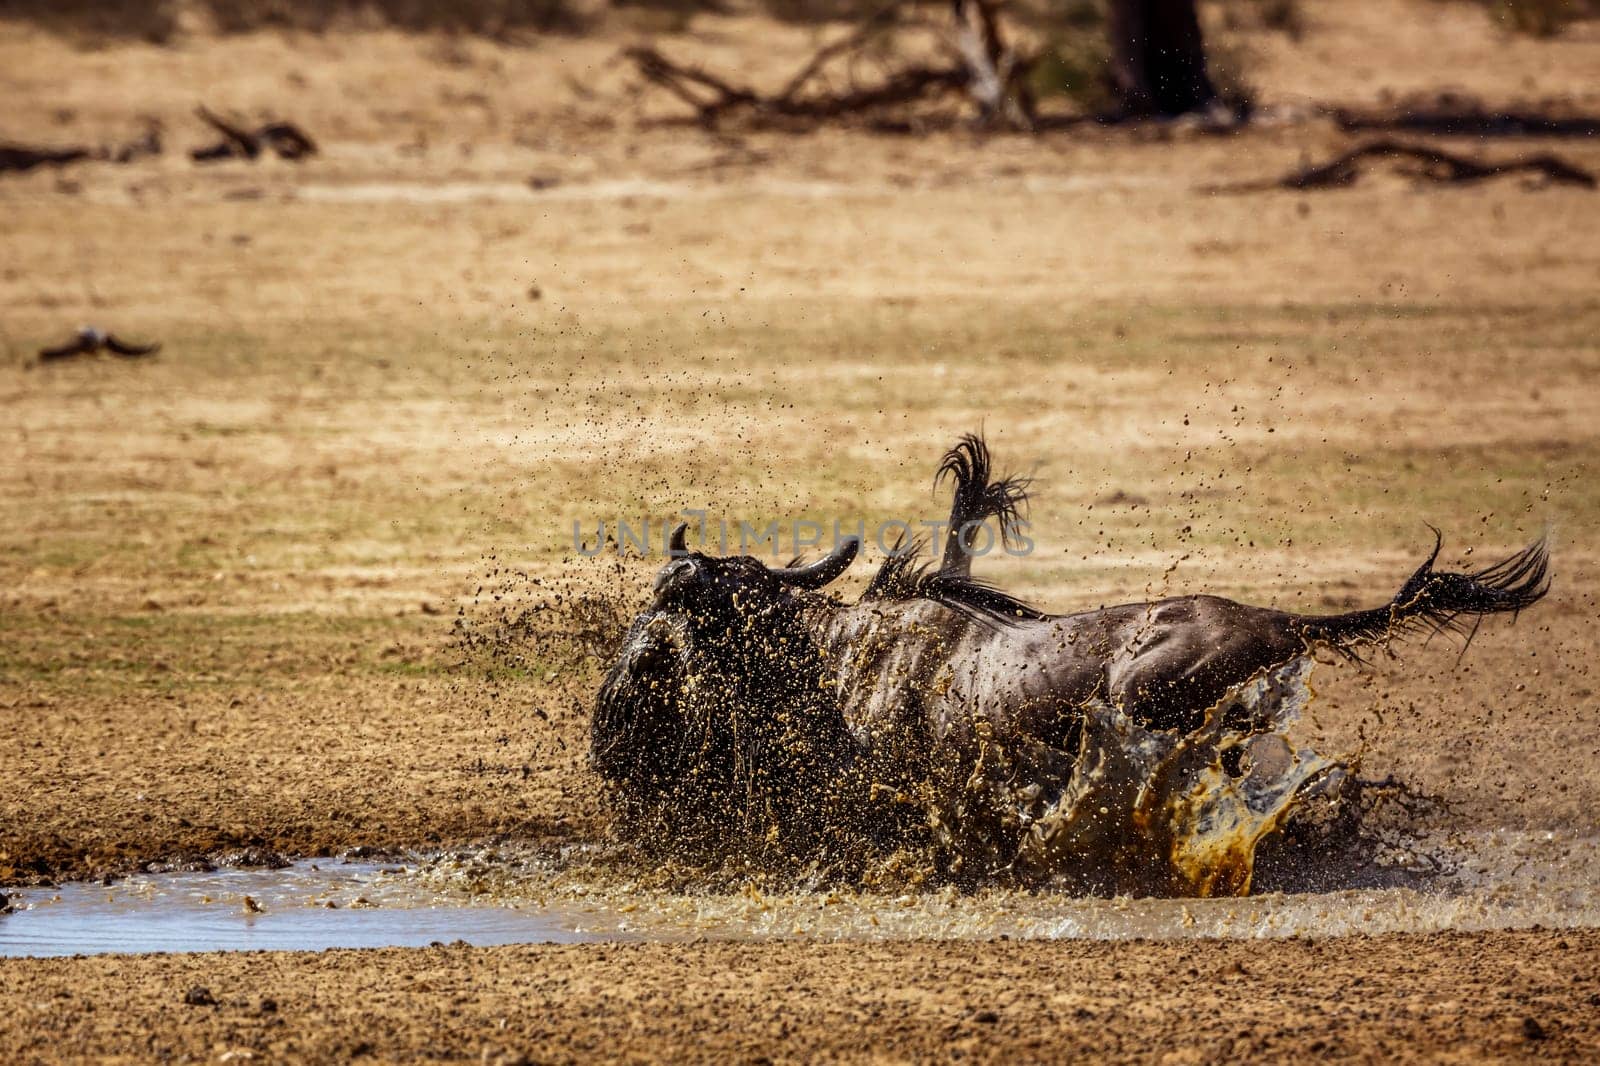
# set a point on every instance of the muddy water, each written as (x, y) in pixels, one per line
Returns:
(308, 906)
(1500, 880)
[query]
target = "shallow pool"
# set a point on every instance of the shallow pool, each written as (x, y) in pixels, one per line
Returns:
(1499, 880)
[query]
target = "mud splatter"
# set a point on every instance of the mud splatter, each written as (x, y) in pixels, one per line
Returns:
(1152, 812)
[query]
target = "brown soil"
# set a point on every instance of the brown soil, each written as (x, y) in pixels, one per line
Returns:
(1448, 998)
(229, 575)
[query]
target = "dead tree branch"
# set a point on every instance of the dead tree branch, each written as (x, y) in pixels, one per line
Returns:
(285, 139)
(683, 80)
(1456, 118)
(24, 157)
(1431, 164)
(20, 158)
(996, 80)
(713, 98)
(981, 63)
(869, 29)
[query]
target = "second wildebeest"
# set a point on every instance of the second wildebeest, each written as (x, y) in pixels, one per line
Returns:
(751, 714)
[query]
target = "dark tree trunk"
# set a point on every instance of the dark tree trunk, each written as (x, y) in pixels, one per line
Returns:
(1158, 58)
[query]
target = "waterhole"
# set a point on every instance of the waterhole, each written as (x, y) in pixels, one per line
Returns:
(1484, 880)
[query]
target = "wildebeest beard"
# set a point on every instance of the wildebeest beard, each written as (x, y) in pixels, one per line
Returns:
(720, 734)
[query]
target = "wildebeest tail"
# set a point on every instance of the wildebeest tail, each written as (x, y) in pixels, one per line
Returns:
(977, 499)
(1434, 601)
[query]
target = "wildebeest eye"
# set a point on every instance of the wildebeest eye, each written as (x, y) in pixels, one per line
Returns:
(675, 571)
(682, 580)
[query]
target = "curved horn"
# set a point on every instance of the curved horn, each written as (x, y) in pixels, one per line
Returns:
(677, 543)
(823, 570)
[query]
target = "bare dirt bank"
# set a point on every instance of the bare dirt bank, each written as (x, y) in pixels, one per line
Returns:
(1503, 996)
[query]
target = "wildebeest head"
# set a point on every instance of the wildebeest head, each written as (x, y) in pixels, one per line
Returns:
(718, 718)
(716, 592)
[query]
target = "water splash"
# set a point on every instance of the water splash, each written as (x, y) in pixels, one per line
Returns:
(1151, 812)
(1503, 879)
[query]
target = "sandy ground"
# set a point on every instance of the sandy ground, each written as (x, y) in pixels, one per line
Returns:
(1502, 997)
(395, 376)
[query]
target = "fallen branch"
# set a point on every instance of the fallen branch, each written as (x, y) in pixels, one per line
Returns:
(682, 80)
(1467, 121)
(21, 158)
(1436, 165)
(91, 340)
(873, 25)
(288, 140)
(285, 139)
(972, 56)
(901, 87)
(713, 98)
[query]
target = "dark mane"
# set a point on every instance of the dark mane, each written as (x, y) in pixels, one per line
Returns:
(978, 498)
(905, 576)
